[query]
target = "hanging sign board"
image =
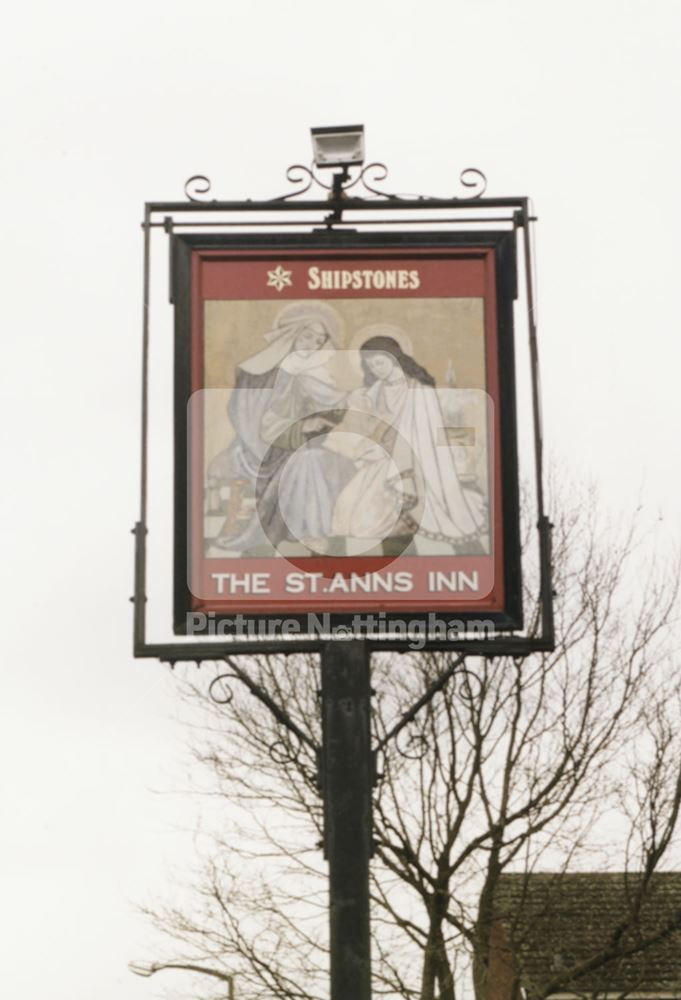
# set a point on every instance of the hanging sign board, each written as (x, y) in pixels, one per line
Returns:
(345, 428)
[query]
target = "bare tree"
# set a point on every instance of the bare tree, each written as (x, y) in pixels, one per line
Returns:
(564, 760)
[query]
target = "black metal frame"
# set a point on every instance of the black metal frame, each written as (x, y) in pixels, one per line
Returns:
(326, 223)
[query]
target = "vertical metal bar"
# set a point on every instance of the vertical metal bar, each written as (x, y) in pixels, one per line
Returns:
(140, 597)
(534, 359)
(347, 778)
(140, 530)
(145, 365)
(546, 582)
(168, 227)
(543, 524)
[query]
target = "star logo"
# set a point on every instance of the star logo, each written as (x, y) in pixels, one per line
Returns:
(279, 278)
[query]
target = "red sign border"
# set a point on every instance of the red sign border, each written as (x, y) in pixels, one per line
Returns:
(502, 604)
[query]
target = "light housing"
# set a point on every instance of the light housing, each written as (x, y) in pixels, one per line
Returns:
(338, 145)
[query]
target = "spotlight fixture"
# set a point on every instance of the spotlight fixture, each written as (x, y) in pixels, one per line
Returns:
(338, 145)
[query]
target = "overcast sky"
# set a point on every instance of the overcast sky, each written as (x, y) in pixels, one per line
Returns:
(105, 107)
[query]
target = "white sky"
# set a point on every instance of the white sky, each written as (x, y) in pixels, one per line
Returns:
(106, 107)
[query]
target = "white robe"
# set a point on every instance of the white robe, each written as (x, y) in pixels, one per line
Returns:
(406, 481)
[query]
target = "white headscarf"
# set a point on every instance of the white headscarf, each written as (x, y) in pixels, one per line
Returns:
(290, 322)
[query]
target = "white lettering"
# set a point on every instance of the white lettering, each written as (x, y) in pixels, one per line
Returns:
(340, 279)
(455, 581)
(403, 582)
(249, 583)
(295, 583)
(468, 582)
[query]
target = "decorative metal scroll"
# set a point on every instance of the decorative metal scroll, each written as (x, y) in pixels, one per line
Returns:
(473, 178)
(412, 746)
(361, 183)
(219, 689)
(285, 751)
(196, 187)
(467, 680)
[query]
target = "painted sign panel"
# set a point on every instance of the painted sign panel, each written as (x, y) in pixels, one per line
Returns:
(345, 427)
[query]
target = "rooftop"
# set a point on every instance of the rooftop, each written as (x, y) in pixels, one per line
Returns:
(560, 931)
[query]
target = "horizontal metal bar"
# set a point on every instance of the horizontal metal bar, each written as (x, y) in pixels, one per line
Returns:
(347, 204)
(195, 652)
(507, 220)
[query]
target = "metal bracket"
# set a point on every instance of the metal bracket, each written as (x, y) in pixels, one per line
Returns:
(428, 696)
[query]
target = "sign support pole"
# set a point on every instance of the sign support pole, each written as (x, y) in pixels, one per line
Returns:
(347, 778)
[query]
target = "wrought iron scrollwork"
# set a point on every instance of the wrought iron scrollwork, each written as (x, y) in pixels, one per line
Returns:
(283, 752)
(473, 178)
(362, 182)
(412, 746)
(220, 691)
(465, 689)
(298, 173)
(367, 181)
(196, 186)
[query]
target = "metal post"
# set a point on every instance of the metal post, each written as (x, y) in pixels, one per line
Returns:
(347, 777)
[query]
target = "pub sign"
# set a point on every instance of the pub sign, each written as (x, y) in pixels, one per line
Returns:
(345, 427)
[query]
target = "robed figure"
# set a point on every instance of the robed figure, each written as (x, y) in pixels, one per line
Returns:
(284, 402)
